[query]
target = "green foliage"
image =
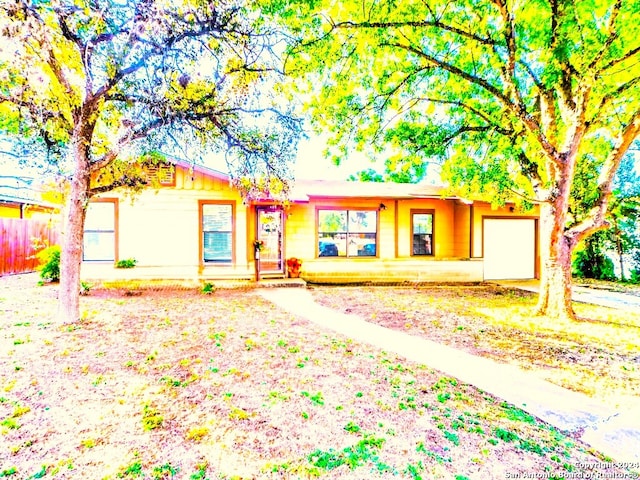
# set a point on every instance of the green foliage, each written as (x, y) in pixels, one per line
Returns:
(517, 414)
(505, 435)
(132, 471)
(590, 260)
(200, 473)
(316, 399)
(635, 272)
(8, 472)
(531, 102)
(163, 471)
(85, 288)
(157, 99)
(352, 427)
(208, 288)
(82, 91)
(361, 453)
(151, 418)
(49, 258)
(126, 263)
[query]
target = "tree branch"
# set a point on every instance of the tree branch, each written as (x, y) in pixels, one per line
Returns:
(414, 24)
(611, 37)
(125, 181)
(595, 219)
(516, 108)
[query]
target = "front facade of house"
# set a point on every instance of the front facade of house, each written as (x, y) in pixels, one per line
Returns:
(196, 226)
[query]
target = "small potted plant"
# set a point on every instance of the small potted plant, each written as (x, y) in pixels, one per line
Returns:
(293, 267)
(258, 245)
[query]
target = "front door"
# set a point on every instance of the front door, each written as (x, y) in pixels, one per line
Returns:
(270, 230)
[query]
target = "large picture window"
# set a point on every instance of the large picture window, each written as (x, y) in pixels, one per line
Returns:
(217, 233)
(422, 232)
(99, 242)
(347, 233)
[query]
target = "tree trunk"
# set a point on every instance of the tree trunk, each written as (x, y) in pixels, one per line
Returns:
(555, 252)
(71, 255)
(620, 256)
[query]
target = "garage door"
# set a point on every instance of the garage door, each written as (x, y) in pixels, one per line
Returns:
(509, 248)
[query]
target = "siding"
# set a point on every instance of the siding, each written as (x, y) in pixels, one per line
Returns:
(160, 229)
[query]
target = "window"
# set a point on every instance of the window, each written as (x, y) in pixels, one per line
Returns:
(217, 232)
(347, 233)
(422, 232)
(100, 231)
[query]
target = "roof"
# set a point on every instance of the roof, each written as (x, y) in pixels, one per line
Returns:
(198, 168)
(303, 190)
(20, 190)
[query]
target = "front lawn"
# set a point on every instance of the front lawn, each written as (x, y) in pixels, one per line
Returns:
(599, 354)
(158, 383)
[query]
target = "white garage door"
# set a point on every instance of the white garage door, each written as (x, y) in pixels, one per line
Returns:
(509, 248)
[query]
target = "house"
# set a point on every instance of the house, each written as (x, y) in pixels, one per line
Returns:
(19, 199)
(194, 225)
(26, 221)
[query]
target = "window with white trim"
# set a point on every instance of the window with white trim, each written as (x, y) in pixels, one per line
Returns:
(99, 243)
(217, 233)
(422, 232)
(347, 233)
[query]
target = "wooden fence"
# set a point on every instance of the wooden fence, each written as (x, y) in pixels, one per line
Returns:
(17, 239)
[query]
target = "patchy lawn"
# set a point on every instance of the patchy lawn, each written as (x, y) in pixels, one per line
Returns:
(156, 384)
(599, 354)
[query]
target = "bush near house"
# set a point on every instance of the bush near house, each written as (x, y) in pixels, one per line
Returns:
(49, 259)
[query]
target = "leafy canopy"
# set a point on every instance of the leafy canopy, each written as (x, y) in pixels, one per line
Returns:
(115, 79)
(512, 95)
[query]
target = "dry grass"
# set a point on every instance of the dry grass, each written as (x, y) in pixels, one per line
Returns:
(599, 354)
(176, 384)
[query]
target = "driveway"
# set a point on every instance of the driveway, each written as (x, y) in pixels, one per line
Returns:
(583, 294)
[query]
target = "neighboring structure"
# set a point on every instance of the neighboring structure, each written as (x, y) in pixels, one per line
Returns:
(26, 223)
(196, 226)
(18, 199)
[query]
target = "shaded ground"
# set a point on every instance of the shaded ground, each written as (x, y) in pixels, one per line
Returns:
(176, 384)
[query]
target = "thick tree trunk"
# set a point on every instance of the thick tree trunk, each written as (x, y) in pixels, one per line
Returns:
(71, 255)
(555, 254)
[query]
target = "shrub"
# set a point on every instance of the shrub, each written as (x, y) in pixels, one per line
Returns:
(49, 258)
(85, 287)
(126, 263)
(591, 261)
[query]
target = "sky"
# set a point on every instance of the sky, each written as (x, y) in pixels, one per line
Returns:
(311, 164)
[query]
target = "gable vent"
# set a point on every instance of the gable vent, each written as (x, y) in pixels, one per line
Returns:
(164, 175)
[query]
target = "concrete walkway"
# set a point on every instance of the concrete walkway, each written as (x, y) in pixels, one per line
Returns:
(614, 433)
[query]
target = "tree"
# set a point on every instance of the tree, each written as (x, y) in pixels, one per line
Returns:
(397, 170)
(100, 84)
(516, 97)
(591, 258)
(623, 235)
